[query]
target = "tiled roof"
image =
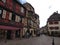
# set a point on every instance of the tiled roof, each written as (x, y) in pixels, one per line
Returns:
(54, 17)
(28, 4)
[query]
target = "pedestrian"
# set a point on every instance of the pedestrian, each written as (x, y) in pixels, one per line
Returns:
(53, 42)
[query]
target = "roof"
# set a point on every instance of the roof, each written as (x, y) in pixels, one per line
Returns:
(28, 5)
(36, 15)
(54, 17)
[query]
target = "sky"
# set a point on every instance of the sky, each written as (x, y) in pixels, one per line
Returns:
(44, 8)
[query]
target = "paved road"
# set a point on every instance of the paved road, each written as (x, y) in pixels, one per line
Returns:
(42, 40)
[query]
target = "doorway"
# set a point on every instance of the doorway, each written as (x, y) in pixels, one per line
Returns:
(17, 33)
(8, 34)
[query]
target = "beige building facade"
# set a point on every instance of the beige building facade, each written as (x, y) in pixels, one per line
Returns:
(54, 24)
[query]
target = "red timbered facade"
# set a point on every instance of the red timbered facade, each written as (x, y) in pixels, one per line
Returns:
(11, 14)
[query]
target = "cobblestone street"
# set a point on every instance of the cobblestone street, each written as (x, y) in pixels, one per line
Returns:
(42, 40)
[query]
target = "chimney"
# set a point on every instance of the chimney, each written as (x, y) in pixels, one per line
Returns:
(56, 11)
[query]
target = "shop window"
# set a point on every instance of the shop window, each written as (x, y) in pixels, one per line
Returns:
(17, 19)
(17, 34)
(56, 22)
(4, 14)
(8, 34)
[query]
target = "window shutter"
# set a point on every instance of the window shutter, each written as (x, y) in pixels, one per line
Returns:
(4, 14)
(17, 19)
(10, 16)
(22, 10)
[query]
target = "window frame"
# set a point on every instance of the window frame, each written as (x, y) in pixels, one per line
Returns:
(4, 1)
(51, 28)
(4, 14)
(50, 23)
(17, 18)
(22, 10)
(13, 17)
(56, 28)
(10, 16)
(56, 22)
(1, 12)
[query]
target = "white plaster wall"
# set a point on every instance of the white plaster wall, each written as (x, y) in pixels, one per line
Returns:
(53, 25)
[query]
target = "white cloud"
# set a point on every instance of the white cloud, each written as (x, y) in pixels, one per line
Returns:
(45, 8)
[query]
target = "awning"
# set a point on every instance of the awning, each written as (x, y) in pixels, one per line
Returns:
(8, 27)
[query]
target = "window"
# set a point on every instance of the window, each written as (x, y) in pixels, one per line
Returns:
(13, 16)
(55, 22)
(51, 28)
(0, 12)
(31, 13)
(29, 22)
(4, 14)
(22, 20)
(17, 8)
(7, 15)
(22, 10)
(56, 28)
(17, 19)
(10, 16)
(50, 22)
(4, 1)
